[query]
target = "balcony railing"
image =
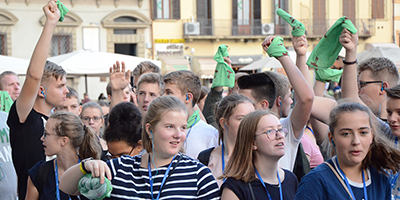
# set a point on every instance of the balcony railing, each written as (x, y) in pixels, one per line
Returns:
(233, 28)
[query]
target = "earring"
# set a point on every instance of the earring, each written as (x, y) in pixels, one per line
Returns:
(254, 147)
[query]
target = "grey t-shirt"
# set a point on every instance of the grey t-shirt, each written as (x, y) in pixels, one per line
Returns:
(8, 177)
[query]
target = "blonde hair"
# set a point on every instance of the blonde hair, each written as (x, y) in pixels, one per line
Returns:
(186, 81)
(157, 109)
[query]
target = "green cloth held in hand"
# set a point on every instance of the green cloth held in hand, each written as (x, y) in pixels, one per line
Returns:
(224, 74)
(327, 75)
(276, 48)
(91, 188)
(298, 28)
(63, 10)
(327, 50)
(5, 101)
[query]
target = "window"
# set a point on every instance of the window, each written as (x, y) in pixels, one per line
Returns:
(3, 44)
(378, 9)
(61, 44)
(166, 9)
(124, 31)
(246, 15)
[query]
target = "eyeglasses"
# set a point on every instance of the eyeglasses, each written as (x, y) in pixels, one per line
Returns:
(110, 156)
(95, 119)
(362, 84)
(273, 133)
(45, 133)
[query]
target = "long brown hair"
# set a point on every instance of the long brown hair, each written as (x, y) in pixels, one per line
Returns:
(241, 164)
(81, 137)
(381, 155)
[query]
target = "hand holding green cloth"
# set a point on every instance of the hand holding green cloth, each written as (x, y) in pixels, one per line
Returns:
(325, 53)
(63, 10)
(5, 101)
(298, 28)
(224, 74)
(276, 48)
(91, 188)
(327, 75)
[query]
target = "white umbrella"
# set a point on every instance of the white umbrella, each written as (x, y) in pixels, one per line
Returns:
(83, 62)
(17, 65)
(392, 54)
(266, 62)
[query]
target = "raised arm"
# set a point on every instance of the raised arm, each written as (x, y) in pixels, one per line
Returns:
(349, 76)
(119, 80)
(69, 180)
(304, 95)
(34, 73)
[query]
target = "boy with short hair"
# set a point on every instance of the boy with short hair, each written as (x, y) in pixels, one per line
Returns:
(149, 87)
(44, 88)
(71, 102)
(186, 86)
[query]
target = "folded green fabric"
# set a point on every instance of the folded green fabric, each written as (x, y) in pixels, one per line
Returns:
(298, 28)
(328, 75)
(5, 101)
(325, 53)
(91, 188)
(63, 10)
(224, 74)
(193, 119)
(276, 48)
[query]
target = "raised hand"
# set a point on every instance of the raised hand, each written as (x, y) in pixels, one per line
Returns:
(51, 11)
(119, 79)
(349, 40)
(300, 45)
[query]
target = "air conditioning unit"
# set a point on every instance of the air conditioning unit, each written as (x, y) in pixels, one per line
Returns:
(192, 28)
(268, 29)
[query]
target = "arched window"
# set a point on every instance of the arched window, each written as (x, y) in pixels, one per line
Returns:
(7, 20)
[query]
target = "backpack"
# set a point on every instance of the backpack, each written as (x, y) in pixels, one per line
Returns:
(204, 156)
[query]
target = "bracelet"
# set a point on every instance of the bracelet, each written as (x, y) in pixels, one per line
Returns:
(349, 63)
(81, 168)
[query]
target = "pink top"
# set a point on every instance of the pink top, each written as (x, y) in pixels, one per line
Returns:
(312, 150)
(215, 164)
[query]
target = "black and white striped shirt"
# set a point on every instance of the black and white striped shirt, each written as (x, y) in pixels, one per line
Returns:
(189, 180)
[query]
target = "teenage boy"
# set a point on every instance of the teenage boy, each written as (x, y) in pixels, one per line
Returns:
(71, 102)
(186, 86)
(44, 89)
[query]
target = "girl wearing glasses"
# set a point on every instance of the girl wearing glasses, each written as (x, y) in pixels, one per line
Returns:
(92, 116)
(163, 172)
(253, 171)
(228, 113)
(362, 157)
(66, 137)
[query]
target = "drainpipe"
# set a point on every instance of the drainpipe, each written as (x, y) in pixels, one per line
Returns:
(394, 24)
(151, 31)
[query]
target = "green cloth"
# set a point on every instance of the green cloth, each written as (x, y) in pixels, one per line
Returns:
(193, 119)
(327, 50)
(63, 10)
(328, 75)
(5, 101)
(224, 74)
(298, 28)
(91, 188)
(276, 48)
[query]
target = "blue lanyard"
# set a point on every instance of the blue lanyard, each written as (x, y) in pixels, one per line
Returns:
(187, 136)
(262, 182)
(348, 185)
(394, 179)
(223, 158)
(56, 175)
(163, 180)
(395, 141)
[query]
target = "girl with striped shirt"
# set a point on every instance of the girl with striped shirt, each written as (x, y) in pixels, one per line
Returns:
(163, 172)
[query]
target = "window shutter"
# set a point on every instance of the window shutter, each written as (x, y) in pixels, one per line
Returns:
(154, 9)
(234, 17)
(176, 9)
(257, 17)
(349, 10)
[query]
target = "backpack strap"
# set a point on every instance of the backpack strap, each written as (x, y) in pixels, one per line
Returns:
(42, 175)
(339, 178)
(204, 156)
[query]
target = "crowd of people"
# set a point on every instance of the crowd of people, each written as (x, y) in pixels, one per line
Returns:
(166, 136)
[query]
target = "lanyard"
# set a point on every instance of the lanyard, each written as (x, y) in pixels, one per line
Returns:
(56, 175)
(163, 180)
(187, 136)
(262, 182)
(395, 142)
(348, 185)
(223, 158)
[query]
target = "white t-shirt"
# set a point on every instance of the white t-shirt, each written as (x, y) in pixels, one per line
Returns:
(201, 137)
(291, 145)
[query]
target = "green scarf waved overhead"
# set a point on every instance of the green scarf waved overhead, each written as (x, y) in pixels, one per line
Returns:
(91, 188)
(5, 101)
(224, 74)
(63, 10)
(298, 28)
(325, 53)
(276, 48)
(328, 75)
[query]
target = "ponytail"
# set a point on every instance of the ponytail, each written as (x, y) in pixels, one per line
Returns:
(90, 145)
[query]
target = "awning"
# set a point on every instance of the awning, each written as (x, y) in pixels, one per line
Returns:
(380, 45)
(204, 67)
(170, 64)
(266, 62)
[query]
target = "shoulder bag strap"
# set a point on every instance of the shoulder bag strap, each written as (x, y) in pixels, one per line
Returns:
(339, 178)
